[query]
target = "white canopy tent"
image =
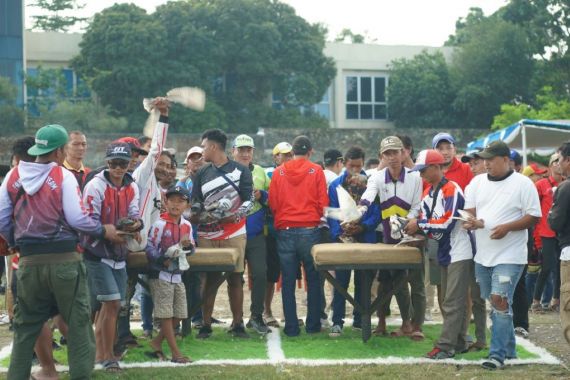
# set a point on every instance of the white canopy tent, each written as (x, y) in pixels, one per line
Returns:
(527, 136)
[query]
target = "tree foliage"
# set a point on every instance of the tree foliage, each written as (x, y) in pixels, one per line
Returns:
(420, 92)
(238, 51)
(55, 17)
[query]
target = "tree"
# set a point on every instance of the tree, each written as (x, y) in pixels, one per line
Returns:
(352, 37)
(548, 107)
(464, 27)
(420, 92)
(238, 51)
(11, 116)
(490, 70)
(55, 20)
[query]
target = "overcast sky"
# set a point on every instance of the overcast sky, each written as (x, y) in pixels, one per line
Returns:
(391, 22)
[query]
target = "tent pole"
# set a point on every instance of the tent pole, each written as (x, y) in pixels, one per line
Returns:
(524, 144)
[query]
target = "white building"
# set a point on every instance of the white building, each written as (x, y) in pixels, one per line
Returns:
(355, 99)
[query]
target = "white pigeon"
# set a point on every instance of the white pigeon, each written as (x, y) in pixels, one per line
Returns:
(190, 97)
(347, 211)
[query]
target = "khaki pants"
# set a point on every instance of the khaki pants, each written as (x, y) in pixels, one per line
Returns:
(565, 298)
(51, 284)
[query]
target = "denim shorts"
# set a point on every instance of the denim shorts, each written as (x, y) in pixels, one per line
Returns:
(106, 283)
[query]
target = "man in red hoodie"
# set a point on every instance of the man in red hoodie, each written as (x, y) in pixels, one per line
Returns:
(454, 169)
(297, 196)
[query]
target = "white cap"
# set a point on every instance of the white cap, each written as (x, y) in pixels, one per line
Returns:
(193, 150)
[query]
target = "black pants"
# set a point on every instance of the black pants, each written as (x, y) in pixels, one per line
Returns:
(520, 303)
(550, 264)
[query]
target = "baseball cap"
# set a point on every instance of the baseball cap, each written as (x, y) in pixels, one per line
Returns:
(516, 157)
(391, 143)
(428, 157)
(244, 141)
(283, 147)
(134, 144)
(193, 150)
(332, 156)
(302, 145)
(178, 190)
(121, 151)
(48, 139)
(555, 157)
(494, 149)
(443, 136)
(469, 156)
(533, 169)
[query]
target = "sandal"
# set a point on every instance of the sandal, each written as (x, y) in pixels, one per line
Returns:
(181, 360)
(399, 333)
(111, 366)
(380, 331)
(158, 354)
(271, 321)
(417, 336)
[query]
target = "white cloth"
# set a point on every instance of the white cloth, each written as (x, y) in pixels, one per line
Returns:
(565, 254)
(114, 264)
(169, 277)
(500, 202)
(329, 176)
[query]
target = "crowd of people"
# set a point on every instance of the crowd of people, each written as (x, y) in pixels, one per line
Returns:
(480, 219)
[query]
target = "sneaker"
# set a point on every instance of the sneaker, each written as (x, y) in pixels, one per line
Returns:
(428, 317)
(336, 331)
(198, 324)
(492, 364)
(204, 333)
(521, 331)
(325, 323)
(438, 354)
(147, 334)
(238, 331)
(5, 319)
(258, 325)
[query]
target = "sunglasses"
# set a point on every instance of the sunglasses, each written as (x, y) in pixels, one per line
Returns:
(118, 164)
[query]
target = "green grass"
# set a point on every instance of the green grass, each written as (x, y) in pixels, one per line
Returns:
(350, 346)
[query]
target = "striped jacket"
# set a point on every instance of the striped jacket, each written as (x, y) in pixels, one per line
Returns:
(454, 242)
(398, 196)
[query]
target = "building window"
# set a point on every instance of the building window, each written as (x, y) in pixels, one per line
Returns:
(366, 98)
(323, 108)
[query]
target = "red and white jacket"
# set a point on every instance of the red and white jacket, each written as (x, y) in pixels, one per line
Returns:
(108, 204)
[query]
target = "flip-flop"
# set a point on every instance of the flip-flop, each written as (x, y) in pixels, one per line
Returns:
(399, 333)
(111, 366)
(158, 354)
(417, 336)
(380, 332)
(181, 360)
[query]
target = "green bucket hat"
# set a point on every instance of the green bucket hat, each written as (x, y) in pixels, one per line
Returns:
(48, 139)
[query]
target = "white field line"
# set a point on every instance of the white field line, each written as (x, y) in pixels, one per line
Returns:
(276, 357)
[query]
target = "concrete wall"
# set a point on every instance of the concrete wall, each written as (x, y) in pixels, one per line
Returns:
(322, 139)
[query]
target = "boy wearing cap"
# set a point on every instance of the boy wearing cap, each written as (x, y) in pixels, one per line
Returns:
(441, 201)
(255, 249)
(399, 192)
(504, 205)
(545, 238)
(475, 162)
(222, 196)
(111, 197)
(51, 274)
(170, 241)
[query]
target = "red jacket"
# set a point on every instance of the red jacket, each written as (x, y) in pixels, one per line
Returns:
(298, 194)
(545, 188)
(459, 173)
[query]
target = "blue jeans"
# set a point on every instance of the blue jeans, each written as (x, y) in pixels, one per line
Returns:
(294, 246)
(500, 280)
(146, 311)
(339, 303)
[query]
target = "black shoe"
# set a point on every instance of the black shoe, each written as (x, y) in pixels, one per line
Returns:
(62, 341)
(238, 331)
(257, 324)
(217, 321)
(204, 333)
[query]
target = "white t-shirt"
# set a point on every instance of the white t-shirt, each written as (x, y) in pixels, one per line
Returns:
(329, 177)
(500, 202)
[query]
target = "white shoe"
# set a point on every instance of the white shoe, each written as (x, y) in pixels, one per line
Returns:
(325, 323)
(4, 320)
(428, 317)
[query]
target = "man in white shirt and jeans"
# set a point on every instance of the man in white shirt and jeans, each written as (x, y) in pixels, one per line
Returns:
(505, 204)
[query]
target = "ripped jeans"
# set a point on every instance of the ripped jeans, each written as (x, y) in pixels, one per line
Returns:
(500, 280)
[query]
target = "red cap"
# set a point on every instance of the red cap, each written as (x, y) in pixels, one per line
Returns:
(133, 143)
(428, 157)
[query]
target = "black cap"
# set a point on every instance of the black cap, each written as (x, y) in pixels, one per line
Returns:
(178, 190)
(121, 151)
(469, 156)
(332, 156)
(494, 149)
(302, 145)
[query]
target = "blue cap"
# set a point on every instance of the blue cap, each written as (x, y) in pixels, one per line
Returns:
(516, 157)
(443, 136)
